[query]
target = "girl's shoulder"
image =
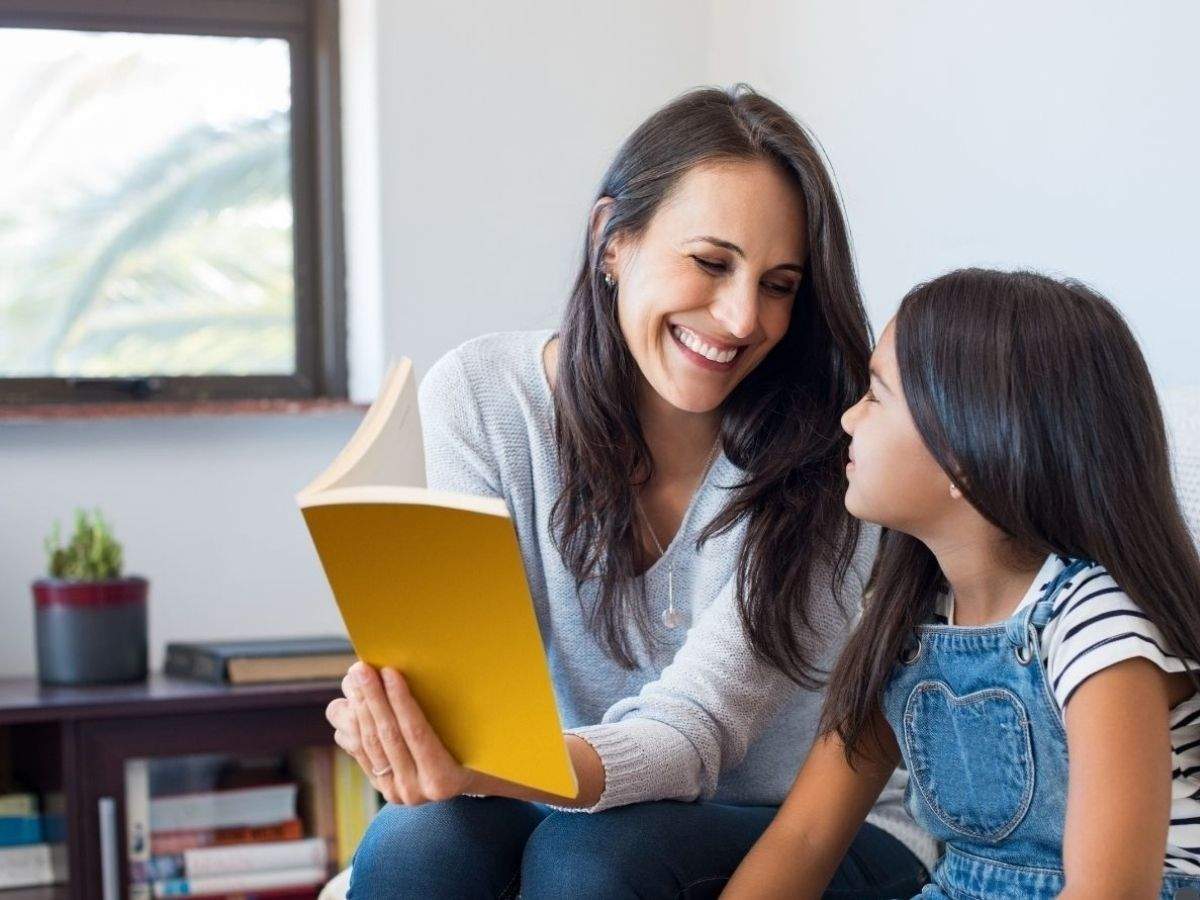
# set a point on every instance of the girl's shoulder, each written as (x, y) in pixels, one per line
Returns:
(1094, 624)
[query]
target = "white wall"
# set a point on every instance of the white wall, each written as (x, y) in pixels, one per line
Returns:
(495, 123)
(498, 120)
(1061, 136)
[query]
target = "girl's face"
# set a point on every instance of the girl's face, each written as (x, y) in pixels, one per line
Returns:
(893, 478)
(707, 290)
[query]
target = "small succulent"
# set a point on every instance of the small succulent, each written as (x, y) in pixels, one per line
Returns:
(92, 555)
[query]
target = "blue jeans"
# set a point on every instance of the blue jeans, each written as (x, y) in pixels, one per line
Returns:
(494, 847)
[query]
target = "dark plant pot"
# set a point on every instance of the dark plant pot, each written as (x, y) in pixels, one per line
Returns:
(91, 632)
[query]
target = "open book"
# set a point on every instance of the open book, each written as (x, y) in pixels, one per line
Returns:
(432, 583)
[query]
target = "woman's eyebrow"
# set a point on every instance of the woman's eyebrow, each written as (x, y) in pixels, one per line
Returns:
(734, 248)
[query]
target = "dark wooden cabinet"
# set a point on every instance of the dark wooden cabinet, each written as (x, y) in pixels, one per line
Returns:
(77, 740)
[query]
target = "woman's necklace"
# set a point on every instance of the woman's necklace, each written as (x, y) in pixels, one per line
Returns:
(671, 617)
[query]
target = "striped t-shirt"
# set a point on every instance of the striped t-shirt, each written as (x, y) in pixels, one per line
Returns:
(1095, 625)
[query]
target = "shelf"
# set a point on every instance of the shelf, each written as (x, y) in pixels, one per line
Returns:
(23, 700)
(53, 892)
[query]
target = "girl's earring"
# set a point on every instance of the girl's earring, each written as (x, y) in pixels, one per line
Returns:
(609, 280)
(955, 492)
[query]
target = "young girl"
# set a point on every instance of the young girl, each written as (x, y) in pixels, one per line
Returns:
(1028, 641)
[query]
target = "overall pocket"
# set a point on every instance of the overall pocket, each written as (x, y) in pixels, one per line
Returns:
(970, 759)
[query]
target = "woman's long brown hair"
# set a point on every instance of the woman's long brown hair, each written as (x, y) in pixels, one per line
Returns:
(780, 425)
(1032, 394)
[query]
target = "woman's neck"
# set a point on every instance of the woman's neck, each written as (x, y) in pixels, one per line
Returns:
(680, 442)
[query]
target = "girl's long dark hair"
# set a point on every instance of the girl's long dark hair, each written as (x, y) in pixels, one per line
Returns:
(1032, 394)
(780, 425)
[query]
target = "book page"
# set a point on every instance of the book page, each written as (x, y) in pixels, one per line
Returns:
(387, 448)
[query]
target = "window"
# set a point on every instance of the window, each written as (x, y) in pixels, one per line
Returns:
(170, 212)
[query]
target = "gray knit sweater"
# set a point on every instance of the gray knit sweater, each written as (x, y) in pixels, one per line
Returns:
(701, 717)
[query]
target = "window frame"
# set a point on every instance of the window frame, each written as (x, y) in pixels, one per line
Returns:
(310, 28)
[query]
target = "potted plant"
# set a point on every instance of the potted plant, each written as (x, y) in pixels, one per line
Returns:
(90, 620)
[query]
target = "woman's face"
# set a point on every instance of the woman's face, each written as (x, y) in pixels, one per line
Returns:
(893, 478)
(706, 291)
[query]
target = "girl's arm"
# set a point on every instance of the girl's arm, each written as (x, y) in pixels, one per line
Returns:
(1119, 791)
(797, 856)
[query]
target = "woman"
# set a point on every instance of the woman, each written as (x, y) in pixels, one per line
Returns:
(672, 460)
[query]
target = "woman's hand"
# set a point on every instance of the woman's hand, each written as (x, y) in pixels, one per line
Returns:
(380, 724)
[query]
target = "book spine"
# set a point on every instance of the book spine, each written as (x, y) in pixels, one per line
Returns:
(313, 766)
(302, 892)
(137, 826)
(163, 867)
(184, 661)
(350, 785)
(20, 830)
(18, 805)
(181, 887)
(30, 866)
(222, 809)
(209, 861)
(168, 843)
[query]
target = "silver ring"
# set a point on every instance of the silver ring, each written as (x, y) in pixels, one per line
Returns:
(381, 772)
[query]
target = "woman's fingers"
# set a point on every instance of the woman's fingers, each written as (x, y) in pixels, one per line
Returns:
(440, 776)
(382, 738)
(340, 714)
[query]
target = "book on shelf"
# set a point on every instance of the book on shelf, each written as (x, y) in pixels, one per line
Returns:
(304, 892)
(307, 876)
(433, 584)
(260, 661)
(232, 858)
(34, 865)
(166, 843)
(264, 805)
(313, 768)
(137, 826)
(355, 803)
(18, 830)
(19, 804)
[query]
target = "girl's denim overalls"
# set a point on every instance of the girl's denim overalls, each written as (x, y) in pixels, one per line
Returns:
(986, 751)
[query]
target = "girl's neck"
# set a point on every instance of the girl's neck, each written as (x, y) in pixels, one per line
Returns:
(987, 575)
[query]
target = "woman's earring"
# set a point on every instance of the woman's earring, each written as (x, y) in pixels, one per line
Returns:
(955, 493)
(609, 280)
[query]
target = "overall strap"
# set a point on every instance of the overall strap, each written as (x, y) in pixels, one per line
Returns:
(1037, 614)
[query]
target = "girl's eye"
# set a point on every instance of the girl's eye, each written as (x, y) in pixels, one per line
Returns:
(782, 290)
(709, 265)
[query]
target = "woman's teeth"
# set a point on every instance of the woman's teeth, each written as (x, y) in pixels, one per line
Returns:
(693, 342)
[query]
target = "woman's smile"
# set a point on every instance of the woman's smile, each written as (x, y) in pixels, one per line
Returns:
(703, 353)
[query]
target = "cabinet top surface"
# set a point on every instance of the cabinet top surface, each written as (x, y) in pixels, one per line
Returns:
(25, 700)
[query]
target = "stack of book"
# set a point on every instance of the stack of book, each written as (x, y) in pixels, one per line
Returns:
(256, 662)
(277, 837)
(32, 853)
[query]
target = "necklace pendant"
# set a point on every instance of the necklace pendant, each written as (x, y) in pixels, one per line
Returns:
(671, 617)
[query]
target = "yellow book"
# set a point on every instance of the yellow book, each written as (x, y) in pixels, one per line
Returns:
(352, 813)
(432, 583)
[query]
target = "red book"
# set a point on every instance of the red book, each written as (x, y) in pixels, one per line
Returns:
(166, 843)
(292, 893)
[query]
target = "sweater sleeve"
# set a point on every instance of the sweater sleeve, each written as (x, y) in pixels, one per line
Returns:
(673, 739)
(458, 456)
